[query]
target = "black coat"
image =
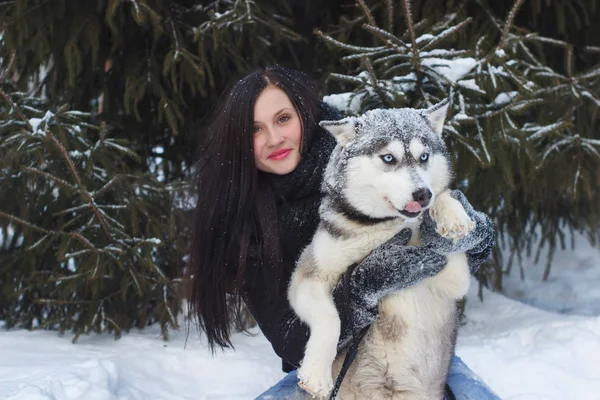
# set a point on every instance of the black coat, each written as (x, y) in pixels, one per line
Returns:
(298, 197)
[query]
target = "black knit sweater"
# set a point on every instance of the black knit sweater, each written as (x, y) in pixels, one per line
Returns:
(298, 197)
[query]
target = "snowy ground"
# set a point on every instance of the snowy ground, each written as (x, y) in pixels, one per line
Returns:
(573, 286)
(522, 352)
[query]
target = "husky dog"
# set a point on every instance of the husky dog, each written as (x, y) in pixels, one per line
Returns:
(389, 166)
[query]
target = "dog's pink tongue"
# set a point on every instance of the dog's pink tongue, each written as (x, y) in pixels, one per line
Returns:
(413, 207)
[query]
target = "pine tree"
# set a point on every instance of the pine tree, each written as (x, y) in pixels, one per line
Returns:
(521, 132)
(86, 245)
(95, 204)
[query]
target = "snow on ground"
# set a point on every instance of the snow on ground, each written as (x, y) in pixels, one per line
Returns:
(525, 353)
(520, 351)
(42, 366)
(573, 286)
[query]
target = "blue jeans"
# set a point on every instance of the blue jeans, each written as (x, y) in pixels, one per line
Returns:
(465, 385)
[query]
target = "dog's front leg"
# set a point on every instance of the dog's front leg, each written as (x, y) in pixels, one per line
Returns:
(452, 220)
(313, 302)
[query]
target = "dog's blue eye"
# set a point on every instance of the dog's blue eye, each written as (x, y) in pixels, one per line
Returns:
(388, 158)
(424, 157)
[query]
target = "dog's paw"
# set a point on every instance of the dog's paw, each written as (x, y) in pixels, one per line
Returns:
(316, 380)
(451, 219)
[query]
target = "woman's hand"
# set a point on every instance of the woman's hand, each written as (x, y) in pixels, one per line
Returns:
(478, 244)
(389, 268)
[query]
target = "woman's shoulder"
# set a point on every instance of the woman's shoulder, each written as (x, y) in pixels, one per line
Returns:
(329, 112)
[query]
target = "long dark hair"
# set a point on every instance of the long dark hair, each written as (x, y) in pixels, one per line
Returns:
(236, 212)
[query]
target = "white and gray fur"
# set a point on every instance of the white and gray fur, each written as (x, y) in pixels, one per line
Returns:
(407, 351)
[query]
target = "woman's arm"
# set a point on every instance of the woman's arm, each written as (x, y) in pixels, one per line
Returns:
(391, 267)
(394, 266)
(278, 322)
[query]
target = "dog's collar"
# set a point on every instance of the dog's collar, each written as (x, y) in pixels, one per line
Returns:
(341, 205)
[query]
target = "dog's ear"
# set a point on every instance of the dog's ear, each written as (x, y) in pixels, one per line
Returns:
(436, 115)
(343, 130)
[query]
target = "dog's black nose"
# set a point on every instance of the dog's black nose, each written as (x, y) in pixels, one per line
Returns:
(423, 196)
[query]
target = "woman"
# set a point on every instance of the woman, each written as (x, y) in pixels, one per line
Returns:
(259, 192)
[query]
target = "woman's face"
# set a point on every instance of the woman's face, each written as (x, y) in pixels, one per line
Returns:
(277, 132)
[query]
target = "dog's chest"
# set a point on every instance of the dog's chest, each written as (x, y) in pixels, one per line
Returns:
(340, 252)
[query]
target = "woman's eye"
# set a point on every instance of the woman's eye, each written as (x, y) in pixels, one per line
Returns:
(388, 159)
(424, 157)
(256, 129)
(284, 119)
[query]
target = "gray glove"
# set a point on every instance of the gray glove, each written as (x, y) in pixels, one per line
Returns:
(394, 266)
(391, 267)
(478, 244)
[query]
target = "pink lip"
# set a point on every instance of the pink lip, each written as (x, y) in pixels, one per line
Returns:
(279, 154)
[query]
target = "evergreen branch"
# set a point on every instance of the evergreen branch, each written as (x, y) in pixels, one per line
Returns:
(434, 72)
(37, 243)
(112, 206)
(417, 27)
(346, 46)
(50, 176)
(570, 62)
(107, 186)
(592, 49)
(69, 210)
(443, 53)
(529, 54)
(391, 57)
(46, 231)
(175, 37)
(16, 109)
(393, 68)
(166, 303)
(478, 46)
(136, 241)
(8, 68)
(540, 132)
(446, 33)
(545, 73)
(390, 15)
(534, 37)
(595, 73)
(594, 142)
(524, 104)
(61, 302)
(367, 12)
(373, 79)
(383, 35)
(492, 75)
(467, 145)
(359, 56)
(80, 185)
(413, 40)
(109, 218)
(135, 280)
(116, 326)
(24, 223)
(449, 18)
(483, 146)
(555, 147)
(509, 21)
(79, 253)
(590, 149)
(550, 255)
(347, 78)
(126, 150)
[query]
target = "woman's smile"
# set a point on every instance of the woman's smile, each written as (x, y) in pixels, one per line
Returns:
(280, 154)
